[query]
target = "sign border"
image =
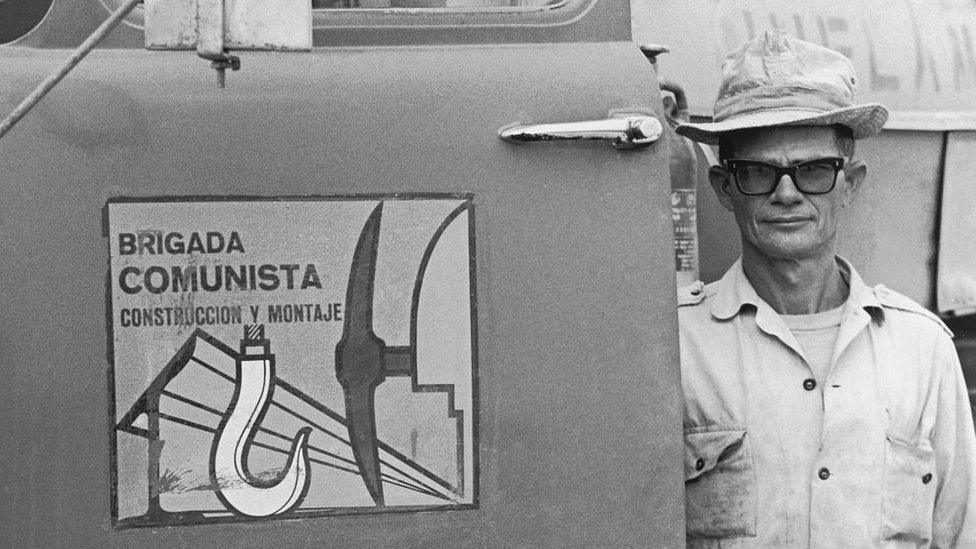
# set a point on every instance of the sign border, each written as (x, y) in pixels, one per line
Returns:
(135, 522)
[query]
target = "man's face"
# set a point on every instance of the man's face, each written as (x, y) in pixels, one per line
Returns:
(788, 224)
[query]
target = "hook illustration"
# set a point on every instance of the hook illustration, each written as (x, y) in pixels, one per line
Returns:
(236, 487)
(363, 360)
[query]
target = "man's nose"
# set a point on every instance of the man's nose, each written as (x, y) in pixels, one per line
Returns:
(786, 191)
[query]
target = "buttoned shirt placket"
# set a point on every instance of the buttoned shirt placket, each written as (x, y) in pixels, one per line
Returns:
(808, 413)
(854, 416)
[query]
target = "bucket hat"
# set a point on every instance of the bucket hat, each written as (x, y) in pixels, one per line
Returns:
(778, 80)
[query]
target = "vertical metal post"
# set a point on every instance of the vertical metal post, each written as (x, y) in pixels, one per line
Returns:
(210, 38)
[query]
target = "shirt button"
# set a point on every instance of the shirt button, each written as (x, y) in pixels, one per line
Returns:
(809, 384)
(823, 473)
(927, 478)
(700, 464)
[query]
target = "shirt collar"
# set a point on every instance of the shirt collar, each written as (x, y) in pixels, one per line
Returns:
(734, 291)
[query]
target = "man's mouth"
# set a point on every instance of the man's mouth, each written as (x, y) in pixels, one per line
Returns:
(788, 221)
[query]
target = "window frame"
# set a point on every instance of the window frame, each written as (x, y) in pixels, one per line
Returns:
(569, 21)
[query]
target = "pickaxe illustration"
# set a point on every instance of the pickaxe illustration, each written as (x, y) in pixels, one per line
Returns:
(363, 360)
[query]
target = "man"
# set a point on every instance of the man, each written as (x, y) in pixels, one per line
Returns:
(818, 411)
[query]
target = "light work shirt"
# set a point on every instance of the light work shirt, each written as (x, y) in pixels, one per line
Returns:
(879, 453)
(816, 334)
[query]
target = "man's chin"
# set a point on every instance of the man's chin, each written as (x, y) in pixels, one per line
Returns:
(791, 248)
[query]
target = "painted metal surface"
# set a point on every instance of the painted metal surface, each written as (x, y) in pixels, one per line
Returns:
(579, 424)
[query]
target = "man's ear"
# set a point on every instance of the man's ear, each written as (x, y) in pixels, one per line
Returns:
(854, 174)
(721, 180)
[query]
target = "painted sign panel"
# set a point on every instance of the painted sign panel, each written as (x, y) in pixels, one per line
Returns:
(282, 358)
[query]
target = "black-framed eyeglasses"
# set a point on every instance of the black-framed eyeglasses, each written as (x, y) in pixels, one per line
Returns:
(753, 177)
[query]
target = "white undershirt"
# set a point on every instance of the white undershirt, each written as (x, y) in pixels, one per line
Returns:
(816, 333)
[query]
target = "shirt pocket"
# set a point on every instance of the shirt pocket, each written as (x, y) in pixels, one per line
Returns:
(720, 484)
(910, 482)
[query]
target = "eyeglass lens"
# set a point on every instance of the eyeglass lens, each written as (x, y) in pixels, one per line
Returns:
(815, 177)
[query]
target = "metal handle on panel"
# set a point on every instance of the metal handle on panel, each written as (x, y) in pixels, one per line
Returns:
(624, 131)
